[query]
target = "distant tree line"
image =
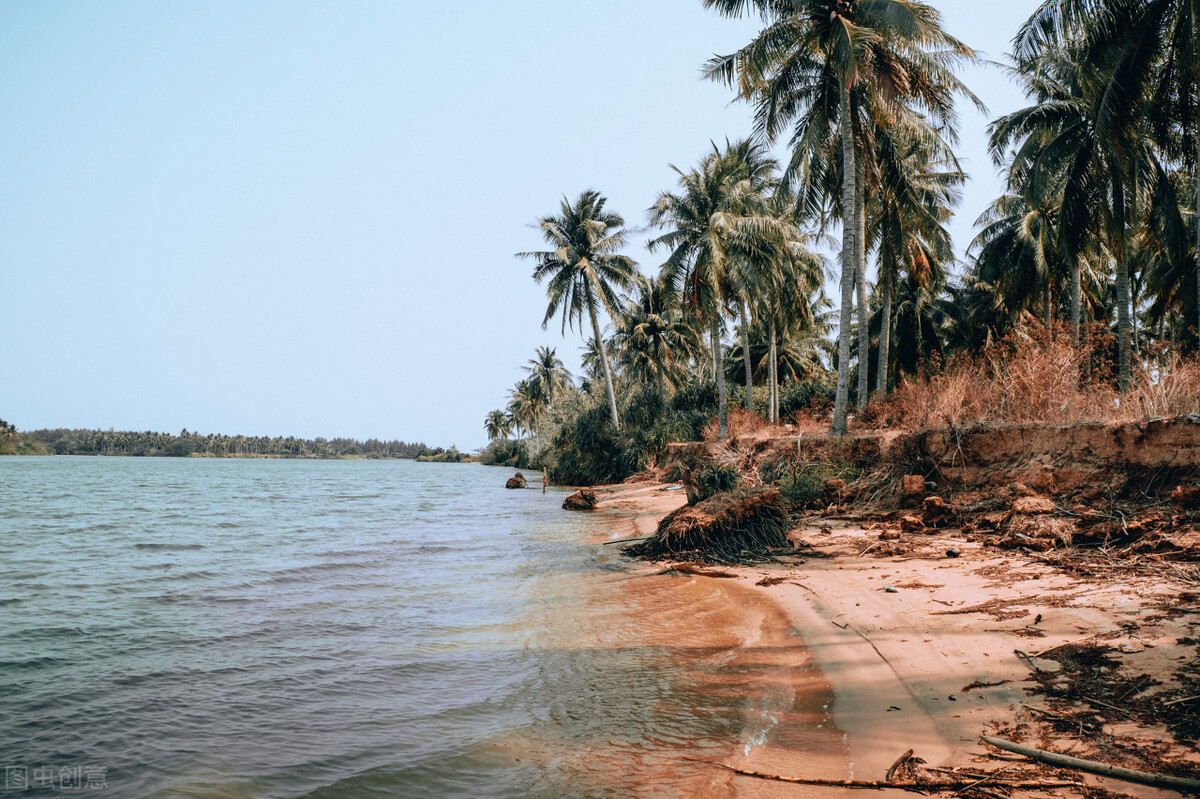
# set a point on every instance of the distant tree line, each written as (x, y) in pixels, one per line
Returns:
(121, 442)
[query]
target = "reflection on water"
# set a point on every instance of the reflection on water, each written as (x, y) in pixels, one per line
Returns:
(343, 629)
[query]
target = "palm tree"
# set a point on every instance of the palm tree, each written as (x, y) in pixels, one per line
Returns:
(717, 227)
(547, 371)
(790, 285)
(526, 405)
(698, 221)
(919, 179)
(1143, 61)
(584, 268)
(652, 335)
(498, 425)
(1089, 178)
(806, 65)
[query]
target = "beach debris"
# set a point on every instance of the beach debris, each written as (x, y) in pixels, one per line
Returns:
(583, 499)
(1117, 772)
(910, 523)
(919, 785)
(833, 491)
(953, 552)
(516, 481)
(938, 513)
(1031, 506)
(912, 490)
(737, 526)
(891, 589)
(901, 761)
(772, 580)
(1186, 496)
(983, 684)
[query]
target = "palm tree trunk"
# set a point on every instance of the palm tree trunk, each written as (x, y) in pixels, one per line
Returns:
(773, 375)
(719, 368)
(608, 382)
(1046, 306)
(849, 247)
(1196, 132)
(746, 358)
(658, 373)
(1123, 380)
(1075, 299)
(886, 266)
(860, 255)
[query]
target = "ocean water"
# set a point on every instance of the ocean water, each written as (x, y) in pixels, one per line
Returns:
(284, 628)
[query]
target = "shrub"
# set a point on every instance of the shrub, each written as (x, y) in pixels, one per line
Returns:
(803, 483)
(716, 479)
(508, 452)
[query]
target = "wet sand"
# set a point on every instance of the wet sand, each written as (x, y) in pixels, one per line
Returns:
(918, 652)
(735, 646)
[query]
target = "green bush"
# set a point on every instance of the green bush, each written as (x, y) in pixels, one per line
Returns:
(803, 396)
(508, 452)
(802, 483)
(715, 479)
(587, 451)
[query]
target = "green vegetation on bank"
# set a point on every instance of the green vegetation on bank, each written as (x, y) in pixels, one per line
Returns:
(16, 443)
(1092, 249)
(191, 444)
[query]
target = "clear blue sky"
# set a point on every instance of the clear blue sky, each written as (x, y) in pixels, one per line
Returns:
(298, 218)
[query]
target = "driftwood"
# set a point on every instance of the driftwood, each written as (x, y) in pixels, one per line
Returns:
(908, 785)
(900, 761)
(1116, 772)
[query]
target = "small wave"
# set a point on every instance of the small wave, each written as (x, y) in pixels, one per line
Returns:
(300, 573)
(13, 601)
(29, 663)
(168, 547)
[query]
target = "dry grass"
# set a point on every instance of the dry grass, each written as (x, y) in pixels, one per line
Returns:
(1044, 377)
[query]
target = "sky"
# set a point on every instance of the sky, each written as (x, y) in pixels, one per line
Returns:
(300, 218)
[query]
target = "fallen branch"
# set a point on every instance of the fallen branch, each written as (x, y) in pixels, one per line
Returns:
(900, 761)
(1180, 701)
(1116, 772)
(910, 785)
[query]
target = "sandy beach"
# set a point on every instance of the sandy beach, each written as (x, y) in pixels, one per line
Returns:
(928, 651)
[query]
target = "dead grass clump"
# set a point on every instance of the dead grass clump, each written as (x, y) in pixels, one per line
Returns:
(1039, 376)
(740, 423)
(1170, 388)
(734, 527)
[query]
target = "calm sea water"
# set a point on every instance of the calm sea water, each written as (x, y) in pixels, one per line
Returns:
(257, 628)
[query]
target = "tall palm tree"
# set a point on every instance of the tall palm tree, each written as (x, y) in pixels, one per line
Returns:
(790, 286)
(919, 180)
(584, 268)
(806, 65)
(1143, 59)
(703, 225)
(1095, 176)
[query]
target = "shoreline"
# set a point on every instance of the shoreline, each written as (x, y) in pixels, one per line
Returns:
(928, 652)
